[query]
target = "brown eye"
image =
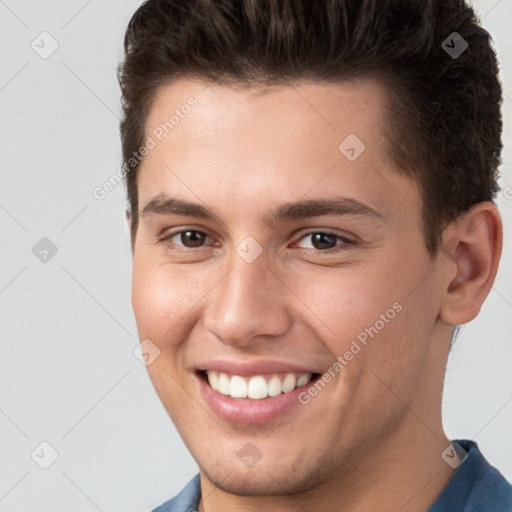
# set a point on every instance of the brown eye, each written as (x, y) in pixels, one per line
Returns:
(192, 238)
(185, 239)
(325, 242)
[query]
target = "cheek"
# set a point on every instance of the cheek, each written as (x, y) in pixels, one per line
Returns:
(162, 297)
(392, 361)
(345, 301)
(370, 318)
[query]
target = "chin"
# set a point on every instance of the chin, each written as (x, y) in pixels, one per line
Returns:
(268, 479)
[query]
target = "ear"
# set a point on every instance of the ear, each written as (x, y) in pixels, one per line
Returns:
(128, 216)
(471, 253)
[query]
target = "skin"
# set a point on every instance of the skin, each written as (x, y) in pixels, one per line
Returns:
(377, 425)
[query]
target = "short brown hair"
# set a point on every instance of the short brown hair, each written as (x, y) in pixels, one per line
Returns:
(444, 127)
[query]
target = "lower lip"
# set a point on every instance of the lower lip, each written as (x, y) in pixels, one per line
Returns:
(247, 410)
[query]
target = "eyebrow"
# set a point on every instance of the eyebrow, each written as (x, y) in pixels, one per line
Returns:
(166, 205)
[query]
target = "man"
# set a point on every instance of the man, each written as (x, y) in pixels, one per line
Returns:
(311, 194)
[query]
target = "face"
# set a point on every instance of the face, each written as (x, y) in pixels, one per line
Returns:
(277, 257)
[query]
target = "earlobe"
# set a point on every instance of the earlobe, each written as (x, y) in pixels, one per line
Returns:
(473, 251)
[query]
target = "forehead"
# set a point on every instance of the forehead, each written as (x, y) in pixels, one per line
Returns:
(254, 144)
(324, 107)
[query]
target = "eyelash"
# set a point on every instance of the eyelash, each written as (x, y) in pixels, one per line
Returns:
(346, 244)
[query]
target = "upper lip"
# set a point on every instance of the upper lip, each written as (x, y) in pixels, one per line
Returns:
(246, 368)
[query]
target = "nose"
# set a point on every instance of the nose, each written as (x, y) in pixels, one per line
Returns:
(248, 305)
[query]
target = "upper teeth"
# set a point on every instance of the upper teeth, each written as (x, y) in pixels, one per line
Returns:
(256, 387)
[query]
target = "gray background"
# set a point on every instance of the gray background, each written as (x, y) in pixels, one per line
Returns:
(68, 372)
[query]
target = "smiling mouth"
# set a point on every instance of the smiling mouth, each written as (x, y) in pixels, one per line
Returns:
(256, 387)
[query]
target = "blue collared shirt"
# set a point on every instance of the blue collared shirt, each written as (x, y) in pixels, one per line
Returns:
(475, 487)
